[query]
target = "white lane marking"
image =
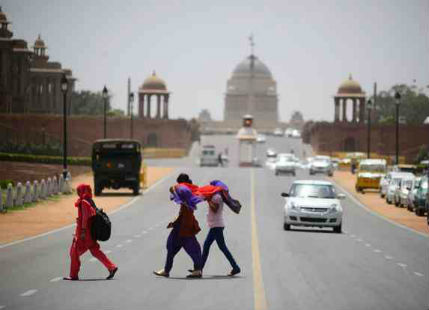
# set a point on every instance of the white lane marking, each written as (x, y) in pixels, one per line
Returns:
(144, 232)
(419, 274)
(137, 236)
(377, 251)
(129, 241)
(107, 252)
(28, 293)
(2, 307)
(359, 240)
(375, 213)
(119, 245)
(388, 257)
(92, 259)
(368, 244)
(352, 236)
(402, 265)
(72, 225)
(55, 279)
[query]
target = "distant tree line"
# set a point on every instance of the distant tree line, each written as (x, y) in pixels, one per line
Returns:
(86, 102)
(414, 106)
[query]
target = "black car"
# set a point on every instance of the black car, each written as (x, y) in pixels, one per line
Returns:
(421, 203)
(116, 164)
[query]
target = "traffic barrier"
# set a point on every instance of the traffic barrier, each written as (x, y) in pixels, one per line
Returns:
(18, 195)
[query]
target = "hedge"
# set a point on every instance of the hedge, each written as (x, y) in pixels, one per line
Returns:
(45, 159)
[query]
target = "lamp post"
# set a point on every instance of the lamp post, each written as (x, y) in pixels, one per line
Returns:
(397, 103)
(369, 108)
(105, 97)
(131, 100)
(64, 88)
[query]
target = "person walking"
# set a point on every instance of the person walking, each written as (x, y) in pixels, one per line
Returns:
(82, 240)
(184, 230)
(216, 224)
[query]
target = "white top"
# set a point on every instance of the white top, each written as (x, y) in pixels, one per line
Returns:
(216, 219)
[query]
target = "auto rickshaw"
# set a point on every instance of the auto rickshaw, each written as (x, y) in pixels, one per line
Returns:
(369, 174)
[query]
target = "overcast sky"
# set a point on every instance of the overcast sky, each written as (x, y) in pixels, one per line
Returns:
(309, 46)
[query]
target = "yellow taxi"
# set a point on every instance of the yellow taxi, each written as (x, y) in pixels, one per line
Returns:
(369, 174)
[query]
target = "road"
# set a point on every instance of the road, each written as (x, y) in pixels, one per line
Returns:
(374, 264)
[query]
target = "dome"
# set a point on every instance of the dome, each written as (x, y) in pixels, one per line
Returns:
(350, 87)
(39, 43)
(243, 68)
(154, 83)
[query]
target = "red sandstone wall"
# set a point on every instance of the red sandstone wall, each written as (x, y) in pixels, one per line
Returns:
(84, 130)
(330, 137)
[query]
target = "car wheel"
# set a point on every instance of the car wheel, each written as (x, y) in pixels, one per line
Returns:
(388, 201)
(97, 191)
(396, 203)
(286, 226)
(382, 195)
(293, 173)
(409, 208)
(338, 229)
(330, 174)
(419, 212)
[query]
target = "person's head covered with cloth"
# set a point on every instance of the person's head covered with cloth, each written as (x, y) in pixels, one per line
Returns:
(181, 194)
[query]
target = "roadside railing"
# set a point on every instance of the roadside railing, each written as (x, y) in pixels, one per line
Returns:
(21, 195)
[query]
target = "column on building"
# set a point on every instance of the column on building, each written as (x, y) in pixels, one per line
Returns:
(354, 111)
(362, 110)
(158, 106)
(337, 109)
(166, 98)
(149, 96)
(141, 105)
(344, 109)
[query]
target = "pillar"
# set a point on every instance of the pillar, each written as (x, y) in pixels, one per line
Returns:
(344, 110)
(166, 97)
(141, 105)
(362, 110)
(337, 109)
(158, 106)
(148, 105)
(354, 111)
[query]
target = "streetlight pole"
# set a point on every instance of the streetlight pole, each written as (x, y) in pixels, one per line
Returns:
(105, 96)
(64, 88)
(130, 102)
(369, 108)
(397, 103)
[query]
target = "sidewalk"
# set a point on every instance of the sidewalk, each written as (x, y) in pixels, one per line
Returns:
(60, 211)
(374, 202)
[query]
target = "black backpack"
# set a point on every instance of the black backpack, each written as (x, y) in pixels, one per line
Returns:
(232, 203)
(101, 227)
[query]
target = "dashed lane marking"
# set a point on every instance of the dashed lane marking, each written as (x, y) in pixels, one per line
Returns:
(129, 241)
(2, 307)
(388, 257)
(419, 274)
(359, 240)
(377, 251)
(119, 245)
(107, 252)
(368, 244)
(402, 265)
(137, 236)
(144, 232)
(55, 279)
(28, 293)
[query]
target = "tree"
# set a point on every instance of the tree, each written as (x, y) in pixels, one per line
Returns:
(414, 105)
(297, 117)
(86, 102)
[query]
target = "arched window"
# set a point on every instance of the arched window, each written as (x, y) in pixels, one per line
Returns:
(152, 140)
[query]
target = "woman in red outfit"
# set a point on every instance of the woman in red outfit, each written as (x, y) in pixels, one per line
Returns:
(82, 240)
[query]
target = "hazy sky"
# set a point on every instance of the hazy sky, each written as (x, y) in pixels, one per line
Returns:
(309, 46)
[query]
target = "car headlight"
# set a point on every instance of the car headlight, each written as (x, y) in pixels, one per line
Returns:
(293, 206)
(334, 208)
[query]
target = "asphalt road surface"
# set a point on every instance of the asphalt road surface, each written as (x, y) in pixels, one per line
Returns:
(374, 264)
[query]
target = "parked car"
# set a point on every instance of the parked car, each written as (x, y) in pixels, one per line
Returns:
(321, 165)
(208, 156)
(261, 138)
(296, 134)
(288, 132)
(421, 202)
(369, 173)
(410, 202)
(271, 153)
(285, 164)
(278, 132)
(385, 181)
(116, 164)
(313, 203)
(395, 185)
(401, 193)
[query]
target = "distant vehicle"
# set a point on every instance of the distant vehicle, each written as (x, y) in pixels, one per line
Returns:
(208, 156)
(313, 203)
(261, 138)
(411, 198)
(421, 203)
(321, 164)
(405, 168)
(278, 132)
(296, 133)
(116, 164)
(369, 174)
(395, 184)
(285, 164)
(288, 132)
(271, 153)
(401, 193)
(271, 162)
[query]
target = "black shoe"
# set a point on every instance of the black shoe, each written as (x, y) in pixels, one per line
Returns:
(112, 273)
(161, 273)
(234, 272)
(196, 274)
(191, 270)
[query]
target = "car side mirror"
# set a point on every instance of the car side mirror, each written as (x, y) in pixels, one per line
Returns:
(284, 194)
(341, 196)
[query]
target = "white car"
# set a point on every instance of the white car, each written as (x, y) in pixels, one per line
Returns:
(313, 203)
(271, 153)
(385, 181)
(296, 134)
(278, 132)
(261, 138)
(285, 164)
(395, 184)
(321, 165)
(288, 132)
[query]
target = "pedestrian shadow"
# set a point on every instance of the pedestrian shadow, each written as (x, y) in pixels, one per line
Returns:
(92, 280)
(118, 194)
(318, 231)
(209, 277)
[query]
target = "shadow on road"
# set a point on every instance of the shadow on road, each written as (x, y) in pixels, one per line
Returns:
(319, 231)
(120, 194)
(213, 277)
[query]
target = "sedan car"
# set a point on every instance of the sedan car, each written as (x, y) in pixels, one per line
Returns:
(401, 194)
(321, 165)
(261, 138)
(395, 185)
(285, 164)
(411, 199)
(313, 203)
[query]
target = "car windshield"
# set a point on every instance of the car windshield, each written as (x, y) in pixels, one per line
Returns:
(284, 158)
(407, 183)
(375, 168)
(395, 181)
(313, 191)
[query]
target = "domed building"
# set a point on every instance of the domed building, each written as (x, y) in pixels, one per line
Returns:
(251, 90)
(153, 86)
(350, 90)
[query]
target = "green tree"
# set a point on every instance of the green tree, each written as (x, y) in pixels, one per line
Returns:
(414, 105)
(86, 102)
